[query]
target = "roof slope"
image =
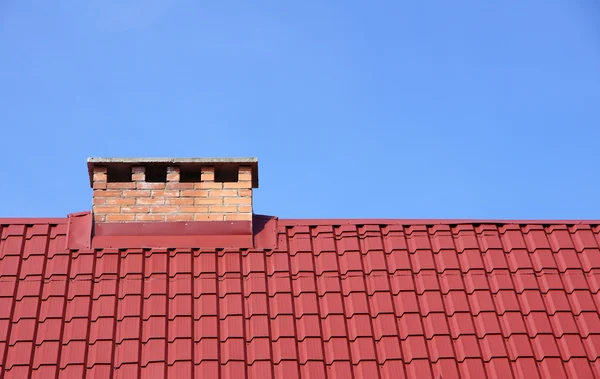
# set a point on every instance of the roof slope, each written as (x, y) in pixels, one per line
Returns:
(344, 300)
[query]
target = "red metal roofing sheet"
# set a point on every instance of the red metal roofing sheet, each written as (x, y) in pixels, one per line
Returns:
(338, 300)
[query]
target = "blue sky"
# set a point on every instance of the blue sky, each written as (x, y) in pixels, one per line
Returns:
(461, 109)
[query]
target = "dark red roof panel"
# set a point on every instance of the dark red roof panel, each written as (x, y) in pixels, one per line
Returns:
(332, 299)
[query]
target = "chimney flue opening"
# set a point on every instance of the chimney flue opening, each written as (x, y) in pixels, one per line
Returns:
(156, 174)
(226, 174)
(118, 174)
(190, 174)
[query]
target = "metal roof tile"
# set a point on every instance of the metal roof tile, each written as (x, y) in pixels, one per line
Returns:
(467, 285)
(472, 368)
(512, 323)
(308, 326)
(414, 347)
(440, 347)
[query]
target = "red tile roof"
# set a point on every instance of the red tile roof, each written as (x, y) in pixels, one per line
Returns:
(333, 299)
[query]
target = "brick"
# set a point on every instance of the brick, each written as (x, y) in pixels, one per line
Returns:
(164, 209)
(180, 186)
(208, 185)
(245, 192)
(99, 217)
(245, 209)
(99, 201)
(224, 193)
(120, 201)
(173, 174)
(107, 193)
(207, 174)
(240, 184)
(120, 217)
(150, 186)
(244, 177)
(239, 217)
(194, 193)
(149, 217)
(181, 217)
(208, 201)
(150, 201)
(169, 193)
(138, 174)
(99, 185)
(200, 209)
(238, 200)
(180, 201)
(100, 173)
(121, 185)
(136, 209)
(106, 209)
(245, 170)
(223, 208)
(209, 217)
(136, 193)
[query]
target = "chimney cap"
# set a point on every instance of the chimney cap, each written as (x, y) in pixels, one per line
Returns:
(105, 162)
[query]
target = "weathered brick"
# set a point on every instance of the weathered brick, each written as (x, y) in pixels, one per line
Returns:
(166, 193)
(245, 170)
(150, 201)
(180, 201)
(245, 208)
(120, 217)
(121, 185)
(100, 174)
(209, 217)
(99, 185)
(223, 208)
(120, 200)
(136, 193)
(164, 209)
(245, 192)
(181, 217)
(106, 209)
(150, 186)
(244, 176)
(238, 216)
(207, 174)
(180, 186)
(99, 201)
(208, 201)
(136, 209)
(138, 174)
(223, 193)
(173, 174)
(99, 193)
(149, 217)
(194, 209)
(240, 184)
(208, 185)
(194, 193)
(99, 217)
(238, 200)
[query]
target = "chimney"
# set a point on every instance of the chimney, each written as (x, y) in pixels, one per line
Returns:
(142, 190)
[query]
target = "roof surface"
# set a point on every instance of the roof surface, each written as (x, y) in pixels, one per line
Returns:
(355, 299)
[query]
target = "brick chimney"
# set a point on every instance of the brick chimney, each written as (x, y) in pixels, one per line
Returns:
(128, 190)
